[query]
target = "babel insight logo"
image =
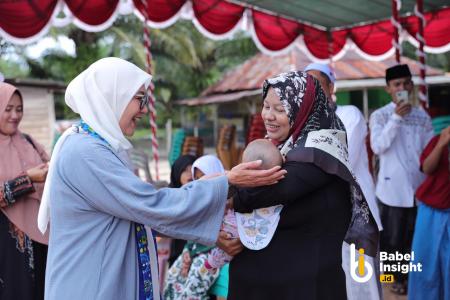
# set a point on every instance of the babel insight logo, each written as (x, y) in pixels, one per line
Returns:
(360, 270)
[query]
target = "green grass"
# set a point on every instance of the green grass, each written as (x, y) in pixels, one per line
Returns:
(142, 133)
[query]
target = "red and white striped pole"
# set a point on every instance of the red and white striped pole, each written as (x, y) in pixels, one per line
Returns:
(330, 49)
(397, 29)
(152, 109)
(418, 10)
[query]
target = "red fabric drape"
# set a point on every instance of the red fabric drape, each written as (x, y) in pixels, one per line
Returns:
(437, 27)
(22, 19)
(217, 16)
(275, 33)
(159, 10)
(339, 40)
(317, 42)
(92, 12)
(374, 39)
(322, 44)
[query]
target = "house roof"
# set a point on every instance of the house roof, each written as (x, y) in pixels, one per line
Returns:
(250, 75)
(40, 83)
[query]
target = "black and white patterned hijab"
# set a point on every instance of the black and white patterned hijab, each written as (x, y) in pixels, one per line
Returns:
(318, 136)
(306, 105)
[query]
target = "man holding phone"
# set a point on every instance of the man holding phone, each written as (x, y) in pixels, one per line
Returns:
(399, 133)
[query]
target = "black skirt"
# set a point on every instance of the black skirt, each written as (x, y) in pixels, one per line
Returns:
(22, 264)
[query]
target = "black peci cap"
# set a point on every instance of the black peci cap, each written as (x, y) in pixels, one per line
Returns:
(398, 71)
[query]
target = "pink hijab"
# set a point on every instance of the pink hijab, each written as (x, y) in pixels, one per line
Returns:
(16, 156)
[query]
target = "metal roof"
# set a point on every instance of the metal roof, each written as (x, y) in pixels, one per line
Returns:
(247, 79)
(40, 83)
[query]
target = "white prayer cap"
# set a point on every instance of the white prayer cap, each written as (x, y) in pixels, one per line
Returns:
(322, 68)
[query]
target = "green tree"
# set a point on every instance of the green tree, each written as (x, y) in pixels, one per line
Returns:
(440, 61)
(184, 61)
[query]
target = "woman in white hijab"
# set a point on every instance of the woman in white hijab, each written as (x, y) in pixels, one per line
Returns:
(207, 165)
(96, 205)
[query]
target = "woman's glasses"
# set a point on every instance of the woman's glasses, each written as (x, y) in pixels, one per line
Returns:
(143, 99)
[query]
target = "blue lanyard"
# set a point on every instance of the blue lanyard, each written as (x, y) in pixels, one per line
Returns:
(145, 274)
(88, 129)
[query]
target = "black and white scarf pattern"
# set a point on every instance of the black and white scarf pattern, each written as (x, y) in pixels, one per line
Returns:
(318, 136)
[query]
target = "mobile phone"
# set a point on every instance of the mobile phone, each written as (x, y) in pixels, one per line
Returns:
(402, 97)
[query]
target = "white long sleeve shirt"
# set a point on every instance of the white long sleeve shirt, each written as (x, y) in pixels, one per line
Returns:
(356, 128)
(399, 143)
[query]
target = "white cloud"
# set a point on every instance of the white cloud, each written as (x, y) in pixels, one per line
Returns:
(61, 42)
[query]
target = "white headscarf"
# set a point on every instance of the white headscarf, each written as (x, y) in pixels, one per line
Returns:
(208, 164)
(100, 95)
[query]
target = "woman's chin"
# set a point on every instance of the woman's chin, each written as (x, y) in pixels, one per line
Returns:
(273, 136)
(129, 132)
(10, 130)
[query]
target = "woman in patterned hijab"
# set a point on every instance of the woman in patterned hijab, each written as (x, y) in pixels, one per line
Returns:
(308, 111)
(323, 203)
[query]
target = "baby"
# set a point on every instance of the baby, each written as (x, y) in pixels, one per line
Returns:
(235, 224)
(264, 150)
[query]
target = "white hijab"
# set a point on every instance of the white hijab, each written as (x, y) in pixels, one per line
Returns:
(99, 95)
(208, 164)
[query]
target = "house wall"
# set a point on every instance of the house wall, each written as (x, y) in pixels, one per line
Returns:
(39, 114)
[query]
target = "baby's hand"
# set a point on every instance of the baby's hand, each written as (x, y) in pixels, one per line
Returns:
(186, 264)
(230, 245)
(229, 205)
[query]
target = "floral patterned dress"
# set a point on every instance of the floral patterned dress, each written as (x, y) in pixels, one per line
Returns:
(188, 278)
(22, 261)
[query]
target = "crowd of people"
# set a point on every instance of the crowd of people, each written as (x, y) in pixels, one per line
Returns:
(280, 225)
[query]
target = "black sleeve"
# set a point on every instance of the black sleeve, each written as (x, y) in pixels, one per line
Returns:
(300, 180)
(12, 189)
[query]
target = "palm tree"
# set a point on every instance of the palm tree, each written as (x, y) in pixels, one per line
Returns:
(184, 61)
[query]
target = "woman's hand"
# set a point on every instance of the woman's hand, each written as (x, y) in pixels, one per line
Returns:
(38, 173)
(232, 246)
(247, 175)
(444, 138)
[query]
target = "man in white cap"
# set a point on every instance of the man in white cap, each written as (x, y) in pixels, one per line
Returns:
(324, 75)
(356, 128)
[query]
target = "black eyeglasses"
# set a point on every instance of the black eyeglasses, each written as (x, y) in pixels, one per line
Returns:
(143, 99)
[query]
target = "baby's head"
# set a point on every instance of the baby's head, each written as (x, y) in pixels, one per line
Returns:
(264, 150)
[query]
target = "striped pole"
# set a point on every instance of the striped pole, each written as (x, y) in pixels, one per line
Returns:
(418, 10)
(152, 109)
(397, 29)
(332, 62)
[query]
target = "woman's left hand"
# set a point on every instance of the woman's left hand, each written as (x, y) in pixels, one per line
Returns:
(247, 175)
(232, 246)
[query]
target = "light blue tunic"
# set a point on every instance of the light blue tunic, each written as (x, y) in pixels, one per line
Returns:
(95, 199)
